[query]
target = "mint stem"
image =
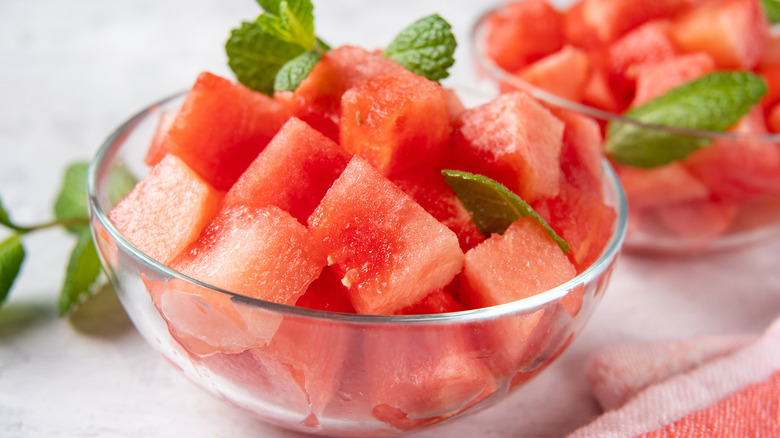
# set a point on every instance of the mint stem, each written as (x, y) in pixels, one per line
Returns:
(66, 222)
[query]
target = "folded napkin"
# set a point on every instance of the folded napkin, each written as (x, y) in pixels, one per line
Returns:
(709, 387)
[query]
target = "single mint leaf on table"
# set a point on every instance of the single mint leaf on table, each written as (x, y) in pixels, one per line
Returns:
(255, 56)
(292, 22)
(493, 207)
(712, 103)
(11, 258)
(772, 10)
(426, 47)
(83, 270)
(294, 71)
(71, 203)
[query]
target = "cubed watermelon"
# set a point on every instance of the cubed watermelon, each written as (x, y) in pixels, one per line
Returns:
(701, 220)
(317, 100)
(662, 185)
(293, 172)
(514, 140)
(390, 251)
(646, 44)
(427, 187)
(655, 79)
(396, 121)
(733, 32)
(518, 33)
(166, 210)
(520, 263)
(220, 129)
(327, 293)
(582, 219)
(581, 156)
(563, 73)
(738, 170)
(262, 253)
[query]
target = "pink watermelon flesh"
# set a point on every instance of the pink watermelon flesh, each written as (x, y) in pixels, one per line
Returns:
(563, 73)
(396, 121)
(581, 156)
(428, 188)
(167, 210)
(220, 128)
(390, 251)
(317, 100)
(520, 263)
(262, 253)
(733, 32)
(293, 172)
(655, 79)
(514, 140)
(658, 186)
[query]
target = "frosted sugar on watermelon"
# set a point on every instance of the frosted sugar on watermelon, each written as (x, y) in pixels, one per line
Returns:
(293, 172)
(167, 210)
(220, 128)
(513, 140)
(390, 251)
(396, 121)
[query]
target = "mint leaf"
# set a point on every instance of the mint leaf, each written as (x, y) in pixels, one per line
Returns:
(120, 182)
(256, 56)
(11, 258)
(493, 207)
(426, 47)
(83, 270)
(6, 220)
(71, 202)
(271, 6)
(291, 74)
(772, 10)
(713, 103)
(290, 21)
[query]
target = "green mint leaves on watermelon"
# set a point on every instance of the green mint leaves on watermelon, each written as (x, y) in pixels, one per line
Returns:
(279, 49)
(712, 103)
(258, 50)
(426, 47)
(493, 207)
(772, 10)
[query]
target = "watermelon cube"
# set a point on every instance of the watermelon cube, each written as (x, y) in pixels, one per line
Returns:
(262, 253)
(739, 169)
(521, 32)
(581, 156)
(389, 250)
(520, 263)
(646, 44)
(397, 121)
(293, 172)
(166, 210)
(327, 293)
(220, 128)
(513, 140)
(563, 73)
(317, 100)
(734, 32)
(417, 375)
(701, 220)
(428, 188)
(655, 79)
(662, 185)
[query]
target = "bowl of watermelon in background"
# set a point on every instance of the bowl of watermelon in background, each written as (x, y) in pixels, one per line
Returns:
(324, 372)
(605, 58)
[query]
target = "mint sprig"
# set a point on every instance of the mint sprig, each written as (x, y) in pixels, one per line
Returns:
(426, 47)
(493, 207)
(70, 212)
(711, 103)
(772, 10)
(280, 48)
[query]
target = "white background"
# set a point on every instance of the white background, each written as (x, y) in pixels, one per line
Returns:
(70, 72)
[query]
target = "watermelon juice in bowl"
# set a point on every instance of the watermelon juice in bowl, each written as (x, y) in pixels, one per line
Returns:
(686, 93)
(313, 364)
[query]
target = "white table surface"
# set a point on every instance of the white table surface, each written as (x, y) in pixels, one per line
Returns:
(70, 72)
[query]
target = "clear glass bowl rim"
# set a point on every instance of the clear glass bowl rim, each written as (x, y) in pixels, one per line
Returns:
(501, 75)
(110, 146)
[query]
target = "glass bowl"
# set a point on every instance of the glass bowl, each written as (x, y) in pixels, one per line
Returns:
(720, 198)
(332, 373)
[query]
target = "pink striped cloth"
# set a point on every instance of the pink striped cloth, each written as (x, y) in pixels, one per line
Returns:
(710, 387)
